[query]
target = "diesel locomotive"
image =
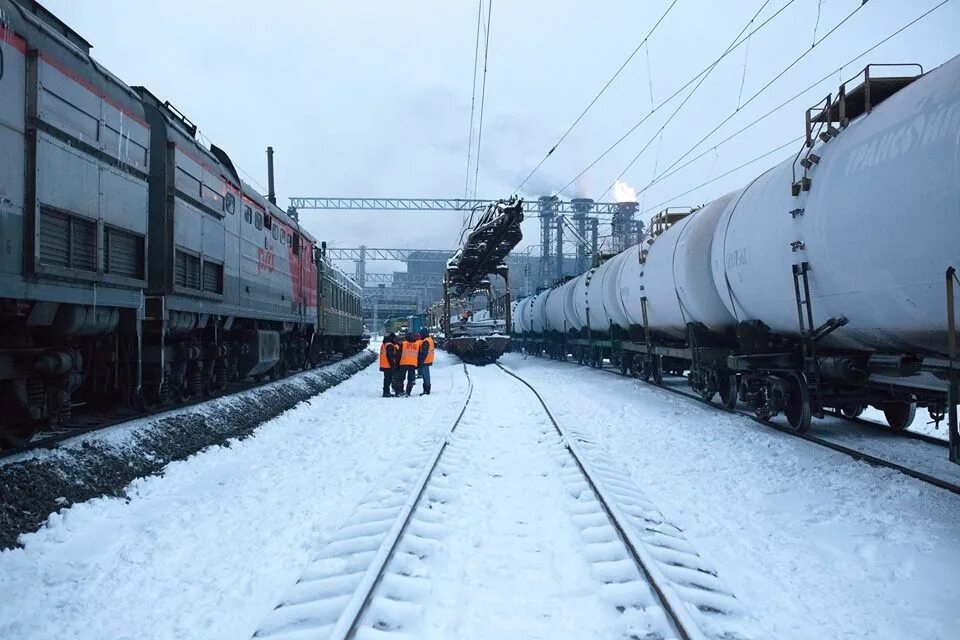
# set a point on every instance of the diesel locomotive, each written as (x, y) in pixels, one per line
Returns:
(135, 265)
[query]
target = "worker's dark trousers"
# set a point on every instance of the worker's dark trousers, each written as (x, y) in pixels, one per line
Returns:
(411, 373)
(387, 381)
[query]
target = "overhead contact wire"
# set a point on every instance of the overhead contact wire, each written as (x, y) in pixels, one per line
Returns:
(703, 79)
(765, 87)
(473, 99)
(667, 173)
(483, 96)
(670, 99)
(601, 92)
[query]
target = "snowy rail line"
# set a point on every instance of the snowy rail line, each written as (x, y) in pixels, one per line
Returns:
(465, 531)
(853, 452)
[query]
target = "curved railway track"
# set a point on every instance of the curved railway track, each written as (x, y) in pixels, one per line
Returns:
(349, 590)
(854, 453)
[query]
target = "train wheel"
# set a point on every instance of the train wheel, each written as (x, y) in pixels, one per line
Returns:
(853, 410)
(624, 366)
(13, 436)
(657, 367)
(797, 403)
(728, 390)
(899, 415)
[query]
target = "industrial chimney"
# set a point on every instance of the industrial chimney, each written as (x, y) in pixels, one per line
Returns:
(271, 187)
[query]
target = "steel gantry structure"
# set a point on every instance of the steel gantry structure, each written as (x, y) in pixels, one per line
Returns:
(578, 217)
(436, 204)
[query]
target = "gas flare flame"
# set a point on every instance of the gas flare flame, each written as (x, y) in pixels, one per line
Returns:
(623, 192)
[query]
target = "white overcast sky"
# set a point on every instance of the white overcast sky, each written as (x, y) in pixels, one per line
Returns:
(372, 97)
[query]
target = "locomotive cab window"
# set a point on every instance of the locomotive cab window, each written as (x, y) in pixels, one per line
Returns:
(295, 243)
(258, 220)
(247, 215)
(231, 204)
(268, 223)
(283, 238)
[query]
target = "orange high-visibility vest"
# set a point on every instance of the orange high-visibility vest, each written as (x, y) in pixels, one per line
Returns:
(429, 358)
(408, 357)
(384, 360)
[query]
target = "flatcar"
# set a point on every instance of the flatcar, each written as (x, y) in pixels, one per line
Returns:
(136, 266)
(818, 287)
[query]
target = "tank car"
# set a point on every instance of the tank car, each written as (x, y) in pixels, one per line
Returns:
(819, 286)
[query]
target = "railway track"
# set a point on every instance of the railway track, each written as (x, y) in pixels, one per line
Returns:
(88, 422)
(854, 453)
(360, 583)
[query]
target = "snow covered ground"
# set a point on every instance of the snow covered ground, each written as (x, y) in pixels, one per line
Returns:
(207, 549)
(815, 544)
(512, 562)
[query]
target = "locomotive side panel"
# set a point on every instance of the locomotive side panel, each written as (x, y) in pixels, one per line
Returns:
(13, 48)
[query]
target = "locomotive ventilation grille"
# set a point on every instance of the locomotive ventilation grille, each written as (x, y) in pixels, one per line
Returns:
(212, 277)
(186, 271)
(67, 241)
(123, 253)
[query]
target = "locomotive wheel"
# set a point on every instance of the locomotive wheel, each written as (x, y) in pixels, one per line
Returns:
(657, 367)
(13, 436)
(853, 410)
(899, 415)
(797, 403)
(728, 390)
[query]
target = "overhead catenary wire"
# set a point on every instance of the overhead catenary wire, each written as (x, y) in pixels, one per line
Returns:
(748, 101)
(754, 96)
(473, 100)
(483, 96)
(668, 100)
(603, 90)
(667, 173)
(724, 174)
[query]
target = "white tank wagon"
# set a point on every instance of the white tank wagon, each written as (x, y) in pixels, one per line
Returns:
(818, 286)
(553, 309)
(538, 316)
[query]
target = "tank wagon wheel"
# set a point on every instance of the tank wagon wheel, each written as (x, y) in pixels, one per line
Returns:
(899, 415)
(729, 390)
(657, 367)
(853, 410)
(797, 403)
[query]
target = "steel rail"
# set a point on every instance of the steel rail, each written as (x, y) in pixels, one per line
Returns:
(675, 609)
(856, 454)
(353, 612)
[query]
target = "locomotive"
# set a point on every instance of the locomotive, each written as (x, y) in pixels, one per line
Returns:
(817, 287)
(136, 266)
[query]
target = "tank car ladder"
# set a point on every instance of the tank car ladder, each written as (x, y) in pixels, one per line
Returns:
(953, 392)
(809, 336)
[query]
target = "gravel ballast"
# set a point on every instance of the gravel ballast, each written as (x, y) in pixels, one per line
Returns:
(103, 463)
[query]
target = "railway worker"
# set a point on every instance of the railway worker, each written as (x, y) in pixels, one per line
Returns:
(396, 368)
(409, 359)
(425, 359)
(388, 352)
